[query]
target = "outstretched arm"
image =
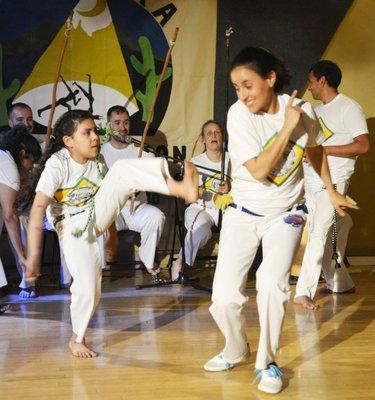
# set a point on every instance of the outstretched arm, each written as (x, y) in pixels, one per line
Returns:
(12, 223)
(318, 159)
(35, 235)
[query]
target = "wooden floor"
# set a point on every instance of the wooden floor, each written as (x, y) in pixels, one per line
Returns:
(154, 342)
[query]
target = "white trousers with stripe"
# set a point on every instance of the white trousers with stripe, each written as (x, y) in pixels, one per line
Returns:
(82, 254)
(149, 221)
(318, 252)
(198, 223)
(240, 237)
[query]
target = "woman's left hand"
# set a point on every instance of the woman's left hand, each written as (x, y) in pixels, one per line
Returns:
(224, 187)
(341, 203)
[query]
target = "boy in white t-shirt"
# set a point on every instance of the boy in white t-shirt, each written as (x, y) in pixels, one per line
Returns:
(202, 215)
(144, 218)
(346, 136)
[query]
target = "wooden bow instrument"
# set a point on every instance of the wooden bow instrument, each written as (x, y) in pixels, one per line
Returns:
(156, 94)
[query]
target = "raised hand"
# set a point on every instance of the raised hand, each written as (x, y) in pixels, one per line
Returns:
(292, 113)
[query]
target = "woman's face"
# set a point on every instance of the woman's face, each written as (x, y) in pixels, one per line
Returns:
(212, 137)
(253, 90)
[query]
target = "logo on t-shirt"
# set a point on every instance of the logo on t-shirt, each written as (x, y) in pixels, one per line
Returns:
(78, 195)
(326, 131)
(289, 162)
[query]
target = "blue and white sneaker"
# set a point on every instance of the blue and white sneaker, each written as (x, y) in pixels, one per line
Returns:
(270, 379)
(218, 363)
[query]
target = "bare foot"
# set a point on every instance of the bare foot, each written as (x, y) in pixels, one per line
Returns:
(80, 349)
(187, 189)
(305, 302)
(176, 268)
(154, 270)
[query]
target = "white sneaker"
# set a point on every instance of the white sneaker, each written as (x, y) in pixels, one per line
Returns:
(270, 379)
(218, 363)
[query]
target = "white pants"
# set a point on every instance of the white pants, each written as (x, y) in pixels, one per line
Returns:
(3, 279)
(149, 222)
(65, 277)
(240, 236)
(198, 223)
(82, 254)
(318, 252)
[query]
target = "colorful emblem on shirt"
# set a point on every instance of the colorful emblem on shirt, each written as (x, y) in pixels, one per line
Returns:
(288, 163)
(326, 131)
(78, 195)
(210, 185)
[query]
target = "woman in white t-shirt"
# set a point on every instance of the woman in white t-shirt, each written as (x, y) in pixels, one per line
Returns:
(202, 215)
(18, 151)
(84, 201)
(268, 135)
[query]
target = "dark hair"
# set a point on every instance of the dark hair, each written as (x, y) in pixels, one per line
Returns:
(329, 70)
(66, 125)
(116, 109)
(263, 62)
(19, 105)
(210, 121)
(20, 143)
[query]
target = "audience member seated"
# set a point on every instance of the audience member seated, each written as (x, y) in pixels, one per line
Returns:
(137, 214)
(202, 215)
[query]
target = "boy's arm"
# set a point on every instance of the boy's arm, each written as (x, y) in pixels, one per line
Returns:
(35, 234)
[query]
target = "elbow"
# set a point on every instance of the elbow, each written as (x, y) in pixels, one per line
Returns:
(365, 148)
(260, 176)
(9, 216)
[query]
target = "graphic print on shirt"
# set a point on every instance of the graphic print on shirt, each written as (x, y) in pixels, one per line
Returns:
(210, 185)
(326, 131)
(77, 195)
(288, 163)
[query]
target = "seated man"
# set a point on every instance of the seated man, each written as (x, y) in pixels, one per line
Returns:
(202, 215)
(144, 218)
(21, 113)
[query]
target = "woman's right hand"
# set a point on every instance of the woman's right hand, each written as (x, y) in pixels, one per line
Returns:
(292, 113)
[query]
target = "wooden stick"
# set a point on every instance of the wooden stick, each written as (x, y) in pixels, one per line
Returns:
(56, 81)
(156, 93)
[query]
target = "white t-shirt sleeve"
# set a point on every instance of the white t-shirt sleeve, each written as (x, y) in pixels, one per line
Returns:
(244, 143)
(312, 126)
(354, 120)
(51, 178)
(9, 174)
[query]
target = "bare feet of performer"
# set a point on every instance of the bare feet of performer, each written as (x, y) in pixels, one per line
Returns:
(80, 349)
(186, 189)
(305, 302)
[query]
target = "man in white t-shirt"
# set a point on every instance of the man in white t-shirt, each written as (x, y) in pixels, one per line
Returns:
(346, 136)
(21, 113)
(144, 218)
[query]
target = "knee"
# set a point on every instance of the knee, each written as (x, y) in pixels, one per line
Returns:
(156, 219)
(273, 285)
(88, 297)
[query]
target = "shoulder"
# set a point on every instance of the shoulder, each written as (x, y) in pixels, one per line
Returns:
(238, 108)
(348, 102)
(198, 158)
